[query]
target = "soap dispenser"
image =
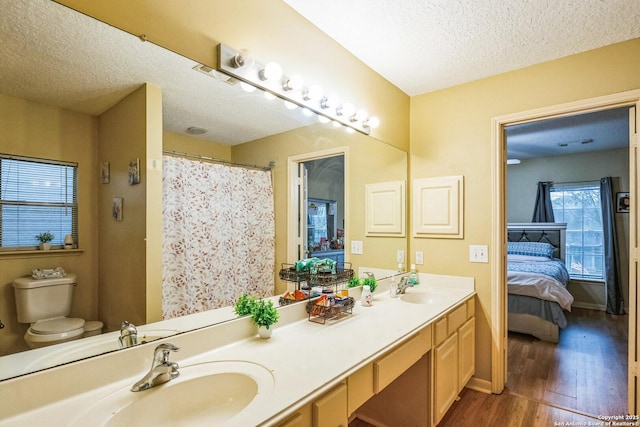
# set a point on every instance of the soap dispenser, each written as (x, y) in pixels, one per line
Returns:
(393, 285)
(413, 276)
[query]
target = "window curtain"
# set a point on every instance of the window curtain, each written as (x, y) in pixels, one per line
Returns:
(543, 211)
(218, 235)
(611, 270)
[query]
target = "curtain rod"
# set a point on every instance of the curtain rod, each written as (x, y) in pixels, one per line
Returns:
(272, 163)
(565, 183)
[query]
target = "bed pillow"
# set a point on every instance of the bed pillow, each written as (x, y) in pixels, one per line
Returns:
(530, 248)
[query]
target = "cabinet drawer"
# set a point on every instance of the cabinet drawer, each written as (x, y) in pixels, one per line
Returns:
(393, 364)
(359, 388)
(331, 409)
(440, 330)
(471, 308)
(456, 318)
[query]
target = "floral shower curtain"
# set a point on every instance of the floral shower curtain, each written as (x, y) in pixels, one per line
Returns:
(218, 235)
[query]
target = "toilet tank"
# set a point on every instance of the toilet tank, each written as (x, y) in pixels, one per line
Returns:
(39, 299)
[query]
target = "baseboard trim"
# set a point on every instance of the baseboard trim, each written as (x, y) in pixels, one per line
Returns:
(477, 384)
(589, 306)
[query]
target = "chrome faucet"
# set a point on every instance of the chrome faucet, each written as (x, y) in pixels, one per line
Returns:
(128, 335)
(403, 285)
(162, 369)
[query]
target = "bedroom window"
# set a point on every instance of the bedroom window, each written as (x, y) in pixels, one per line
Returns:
(579, 206)
(36, 196)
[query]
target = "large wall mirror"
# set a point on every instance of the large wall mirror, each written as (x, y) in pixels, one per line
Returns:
(62, 76)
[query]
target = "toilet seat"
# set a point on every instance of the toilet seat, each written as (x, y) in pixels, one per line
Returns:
(57, 325)
(54, 331)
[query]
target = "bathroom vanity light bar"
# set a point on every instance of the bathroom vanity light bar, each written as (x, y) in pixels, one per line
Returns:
(270, 78)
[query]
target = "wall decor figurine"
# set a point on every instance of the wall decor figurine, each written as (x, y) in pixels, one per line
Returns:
(116, 209)
(622, 202)
(134, 172)
(105, 173)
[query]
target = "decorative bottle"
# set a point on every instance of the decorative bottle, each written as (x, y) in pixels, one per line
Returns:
(366, 300)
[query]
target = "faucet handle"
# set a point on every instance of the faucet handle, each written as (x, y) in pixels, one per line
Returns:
(164, 350)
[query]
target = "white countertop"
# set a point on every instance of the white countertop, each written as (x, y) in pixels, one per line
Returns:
(305, 358)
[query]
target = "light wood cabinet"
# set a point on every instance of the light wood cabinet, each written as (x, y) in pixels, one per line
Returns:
(393, 364)
(331, 409)
(359, 388)
(445, 361)
(466, 352)
(301, 418)
(407, 384)
(453, 356)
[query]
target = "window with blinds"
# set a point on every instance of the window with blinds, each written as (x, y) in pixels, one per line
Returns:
(36, 196)
(579, 206)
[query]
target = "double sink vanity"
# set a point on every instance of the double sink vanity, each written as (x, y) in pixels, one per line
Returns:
(402, 360)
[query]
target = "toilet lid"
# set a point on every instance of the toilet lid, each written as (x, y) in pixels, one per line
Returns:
(54, 326)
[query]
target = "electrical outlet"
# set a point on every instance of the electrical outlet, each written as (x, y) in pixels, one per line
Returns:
(400, 257)
(419, 257)
(478, 253)
(356, 247)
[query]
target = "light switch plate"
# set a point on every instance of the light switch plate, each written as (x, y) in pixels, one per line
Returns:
(419, 257)
(478, 253)
(356, 247)
(400, 257)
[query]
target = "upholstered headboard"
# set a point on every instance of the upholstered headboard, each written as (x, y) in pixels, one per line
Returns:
(547, 232)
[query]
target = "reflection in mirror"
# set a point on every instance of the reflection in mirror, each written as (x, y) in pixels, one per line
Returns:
(66, 79)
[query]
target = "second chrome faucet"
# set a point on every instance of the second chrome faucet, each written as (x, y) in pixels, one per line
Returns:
(162, 369)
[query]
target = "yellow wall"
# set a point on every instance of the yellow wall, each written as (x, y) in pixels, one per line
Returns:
(32, 129)
(193, 145)
(151, 167)
(369, 161)
(451, 135)
(125, 135)
(266, 28)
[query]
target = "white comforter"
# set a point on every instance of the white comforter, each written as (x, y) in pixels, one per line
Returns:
(539, 286)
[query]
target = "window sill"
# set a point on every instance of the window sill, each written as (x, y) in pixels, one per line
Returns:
(589, 281)
(40, 253)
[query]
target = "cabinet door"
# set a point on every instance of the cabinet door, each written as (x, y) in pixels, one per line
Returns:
(467, 352)
(331, 409)
(446, 375)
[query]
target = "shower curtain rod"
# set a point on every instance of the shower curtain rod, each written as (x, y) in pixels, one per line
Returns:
(272, 163)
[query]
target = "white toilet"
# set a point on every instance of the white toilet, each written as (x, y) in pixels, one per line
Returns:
(45, 303)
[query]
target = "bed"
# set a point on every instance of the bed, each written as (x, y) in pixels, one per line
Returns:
(537, 279)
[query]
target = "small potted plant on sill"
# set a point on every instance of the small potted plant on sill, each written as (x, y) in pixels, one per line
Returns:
(45, 240)
(264, 314)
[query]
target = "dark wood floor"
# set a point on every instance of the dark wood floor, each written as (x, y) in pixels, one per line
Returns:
(581, 377)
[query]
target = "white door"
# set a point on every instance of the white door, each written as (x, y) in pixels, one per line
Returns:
(303, 245)
(634, 238)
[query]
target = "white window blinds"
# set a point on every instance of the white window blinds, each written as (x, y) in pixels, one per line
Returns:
(37, 195)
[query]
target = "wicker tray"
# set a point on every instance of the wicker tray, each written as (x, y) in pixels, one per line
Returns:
(320, 313)
(343, 274)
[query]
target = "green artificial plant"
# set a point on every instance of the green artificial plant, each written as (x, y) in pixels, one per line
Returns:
(371, 282)
(45, 237)
(264, 313)
(244, 304)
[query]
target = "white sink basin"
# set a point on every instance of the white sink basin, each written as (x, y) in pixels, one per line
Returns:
(213, 393)
(425, 297)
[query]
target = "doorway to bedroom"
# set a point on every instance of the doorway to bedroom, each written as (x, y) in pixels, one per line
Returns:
(586, 370)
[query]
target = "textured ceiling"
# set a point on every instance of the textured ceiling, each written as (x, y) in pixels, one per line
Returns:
(56, 56)
(425, 45)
